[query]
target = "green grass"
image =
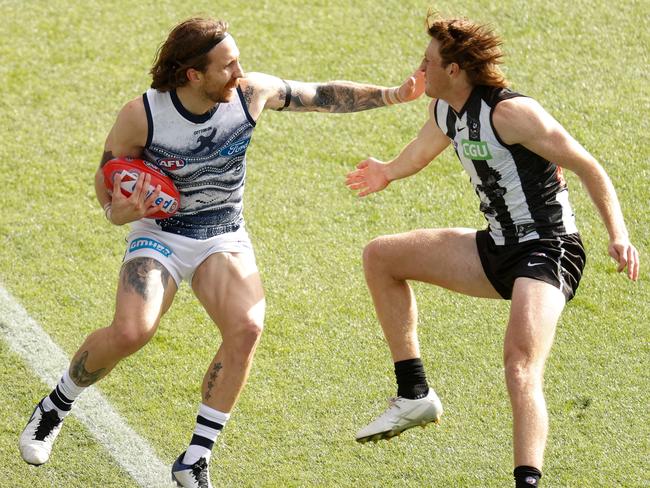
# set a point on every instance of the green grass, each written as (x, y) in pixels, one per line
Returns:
(323, 369)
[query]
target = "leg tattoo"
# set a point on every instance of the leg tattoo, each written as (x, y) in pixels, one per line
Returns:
(80, 375)
(135, 273)
(212, 378)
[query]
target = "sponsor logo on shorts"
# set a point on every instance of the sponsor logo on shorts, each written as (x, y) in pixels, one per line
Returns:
(235, 148)
(147, 243)
(475, 149)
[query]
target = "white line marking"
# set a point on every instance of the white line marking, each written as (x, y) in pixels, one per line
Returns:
(29, 340)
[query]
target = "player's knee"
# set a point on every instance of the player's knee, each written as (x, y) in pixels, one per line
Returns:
(246, 337)
(522, 373)
(374, 255)
(130, 337)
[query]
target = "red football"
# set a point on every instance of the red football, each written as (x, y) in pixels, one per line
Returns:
(130, 169)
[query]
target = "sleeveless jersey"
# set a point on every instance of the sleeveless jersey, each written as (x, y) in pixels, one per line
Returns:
(523, 196)
(205, 156)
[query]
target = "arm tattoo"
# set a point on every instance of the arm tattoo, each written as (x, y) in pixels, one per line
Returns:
(135, 276)
(80, 375)
(106, 157)
(285, 96)
(248, 95)
(337, 97)
(212, 378)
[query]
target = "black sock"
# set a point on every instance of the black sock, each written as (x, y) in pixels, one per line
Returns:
(411, 379)
(526, 477)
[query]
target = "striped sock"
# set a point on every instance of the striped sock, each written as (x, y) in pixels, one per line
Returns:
(209, 423)
(63, 396)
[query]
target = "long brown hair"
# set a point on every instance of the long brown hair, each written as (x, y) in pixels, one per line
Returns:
(187, 46)
(474, 47)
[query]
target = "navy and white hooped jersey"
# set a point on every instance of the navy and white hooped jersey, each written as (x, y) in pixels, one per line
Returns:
(523, 196)
(205, 156)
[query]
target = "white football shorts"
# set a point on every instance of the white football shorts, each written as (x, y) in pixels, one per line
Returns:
(181, 255)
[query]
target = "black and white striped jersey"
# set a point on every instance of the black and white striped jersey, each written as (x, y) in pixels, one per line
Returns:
(523, 196)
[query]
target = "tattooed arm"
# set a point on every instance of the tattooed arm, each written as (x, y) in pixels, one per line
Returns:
(264, 91)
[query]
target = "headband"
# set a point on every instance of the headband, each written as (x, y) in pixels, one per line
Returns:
(209, 47)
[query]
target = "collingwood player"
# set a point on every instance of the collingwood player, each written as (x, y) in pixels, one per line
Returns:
(530, 253)
(195, 124)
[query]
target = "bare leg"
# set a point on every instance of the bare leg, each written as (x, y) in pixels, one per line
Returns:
(444, 257)
(144, 294)
(536, 308)
(229, 287)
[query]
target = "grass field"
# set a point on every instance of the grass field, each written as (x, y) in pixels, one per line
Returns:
(323, 369)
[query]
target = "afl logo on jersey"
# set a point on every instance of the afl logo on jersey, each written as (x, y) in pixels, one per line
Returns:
(235, 148)
(171, 163)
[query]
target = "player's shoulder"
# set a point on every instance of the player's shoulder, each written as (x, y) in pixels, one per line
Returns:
(133, 113)
(259, 82)
(518, 119)
(262, 91)
(516, 108)
(131, 126)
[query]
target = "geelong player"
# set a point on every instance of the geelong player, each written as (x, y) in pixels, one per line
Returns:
(195, 123)
(514, 153)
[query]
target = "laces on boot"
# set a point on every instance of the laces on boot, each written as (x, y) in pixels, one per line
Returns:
(200, 472)
(49, 421)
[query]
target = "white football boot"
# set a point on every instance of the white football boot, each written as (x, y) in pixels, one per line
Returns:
(402, 414)
(38, 436)
(191, 475)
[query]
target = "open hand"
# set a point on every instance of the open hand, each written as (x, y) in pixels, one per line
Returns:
(369, 177)
(412, 88)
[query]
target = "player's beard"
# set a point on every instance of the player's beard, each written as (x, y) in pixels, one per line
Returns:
(222, 94)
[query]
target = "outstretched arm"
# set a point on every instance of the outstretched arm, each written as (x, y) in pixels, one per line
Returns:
(264, 91)
(372, 175)
(346, 96)
(524, 121)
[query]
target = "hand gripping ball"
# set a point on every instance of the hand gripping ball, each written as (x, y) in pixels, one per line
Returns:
(131, 169)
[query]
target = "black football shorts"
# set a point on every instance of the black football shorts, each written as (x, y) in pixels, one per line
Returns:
(558, 261)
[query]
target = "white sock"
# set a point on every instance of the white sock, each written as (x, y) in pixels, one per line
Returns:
(209, 423)
(62, 396)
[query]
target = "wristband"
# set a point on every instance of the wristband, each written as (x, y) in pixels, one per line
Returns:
(390, 96)
(108, 211)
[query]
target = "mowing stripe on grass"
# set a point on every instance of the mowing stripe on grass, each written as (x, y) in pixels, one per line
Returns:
(30, 341)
